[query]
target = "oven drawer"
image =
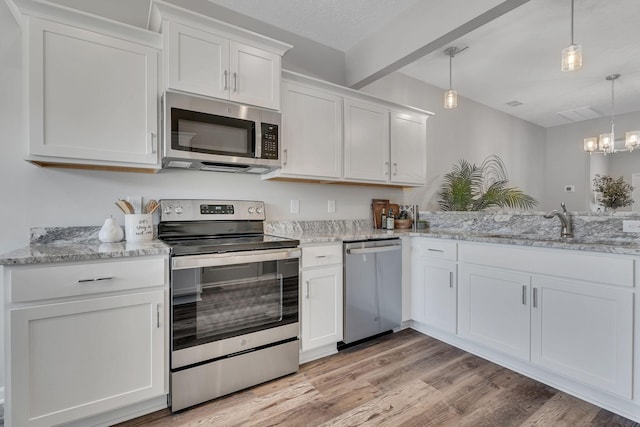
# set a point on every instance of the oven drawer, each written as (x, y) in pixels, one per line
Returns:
(86, 278)
(316, 256)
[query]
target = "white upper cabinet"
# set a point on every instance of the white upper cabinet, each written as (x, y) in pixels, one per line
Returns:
(198, 61)
(370, 141)
(311, 132)
(207, 64)
(366, 141)
(212, 58)
(92, 98)
(408, 148)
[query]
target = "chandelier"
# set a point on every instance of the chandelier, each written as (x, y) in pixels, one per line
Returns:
(605, 143)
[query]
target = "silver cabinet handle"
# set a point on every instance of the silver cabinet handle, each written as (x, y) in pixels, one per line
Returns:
(395, 167)
(321, 256)
(226, 80)
(524, 294)
(451, 279)
(387, 169)
(435, 250)
(151, 143)
(158, 315)
(374, 250)
(96, 279)
(307, 289)
(535, 297)
(235, 82)
(284, 161)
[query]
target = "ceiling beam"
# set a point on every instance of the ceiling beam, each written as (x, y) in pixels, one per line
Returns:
(424, 28)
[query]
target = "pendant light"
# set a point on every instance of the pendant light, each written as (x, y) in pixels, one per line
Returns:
(605, 143)
(572, 55)
(451, 96)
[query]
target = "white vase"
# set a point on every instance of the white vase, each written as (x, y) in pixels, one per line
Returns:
(110, 231)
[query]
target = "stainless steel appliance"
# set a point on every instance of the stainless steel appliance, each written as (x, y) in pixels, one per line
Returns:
(234, 298)
(213, 135)
(372, 288)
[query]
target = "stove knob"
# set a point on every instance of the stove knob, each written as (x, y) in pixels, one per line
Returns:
(179, 210)
(167, 210)
(250, 210)
(258, 210)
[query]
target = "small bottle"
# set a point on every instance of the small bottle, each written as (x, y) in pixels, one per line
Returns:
(390, 220)
(383, 220)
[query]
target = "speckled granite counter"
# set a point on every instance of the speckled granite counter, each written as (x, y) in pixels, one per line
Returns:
(70, 244)
(314, 232)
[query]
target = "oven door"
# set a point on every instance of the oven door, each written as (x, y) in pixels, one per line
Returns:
(228, 303)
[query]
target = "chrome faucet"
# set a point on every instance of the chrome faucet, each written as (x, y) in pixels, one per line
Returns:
(565, 220)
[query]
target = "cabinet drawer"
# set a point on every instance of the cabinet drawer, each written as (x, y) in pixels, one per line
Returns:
(435, 248)
(66, 280)
(315, 256)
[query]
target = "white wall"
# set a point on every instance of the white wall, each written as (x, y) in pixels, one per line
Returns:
(569, 164)
(471, 131)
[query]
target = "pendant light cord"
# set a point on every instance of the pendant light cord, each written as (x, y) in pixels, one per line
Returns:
(450, 66)
(613, 109)
(572, 22)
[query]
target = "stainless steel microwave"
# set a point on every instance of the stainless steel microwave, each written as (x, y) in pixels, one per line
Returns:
(213, 135)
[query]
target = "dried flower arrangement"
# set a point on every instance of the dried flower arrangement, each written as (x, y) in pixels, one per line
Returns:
(614, 193)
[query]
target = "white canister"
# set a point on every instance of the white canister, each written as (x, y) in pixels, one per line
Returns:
(138, 227)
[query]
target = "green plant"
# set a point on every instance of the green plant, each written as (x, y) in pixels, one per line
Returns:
(614, 193)
(469, 187)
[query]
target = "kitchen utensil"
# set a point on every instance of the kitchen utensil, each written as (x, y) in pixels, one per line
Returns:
(403, 223)
(130, 208)
(124, 206)
(151, 206)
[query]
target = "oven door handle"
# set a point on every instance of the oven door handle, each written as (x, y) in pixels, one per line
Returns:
(231, 258)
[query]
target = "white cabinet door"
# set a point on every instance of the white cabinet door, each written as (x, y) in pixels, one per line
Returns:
(408, 148)
(366, 141)
(84, 357)
(197, 61)
(209, 64)
(494, 309)
(322, 313)
(91, 97)
(312, 132)
(433, 293)
(255, 76)
(583, 332)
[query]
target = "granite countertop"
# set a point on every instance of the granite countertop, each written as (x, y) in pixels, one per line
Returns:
(72, 244)
(615, 247)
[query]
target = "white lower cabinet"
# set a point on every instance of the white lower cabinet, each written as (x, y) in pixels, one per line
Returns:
(321, 296)
(583, 332)
(494, 309)
(71, 358)
(434, 284)
(565, 326)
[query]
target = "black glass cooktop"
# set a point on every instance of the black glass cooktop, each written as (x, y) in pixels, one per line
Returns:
(228, 243)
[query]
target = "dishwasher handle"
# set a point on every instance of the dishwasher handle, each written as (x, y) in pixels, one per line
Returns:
(374, 250)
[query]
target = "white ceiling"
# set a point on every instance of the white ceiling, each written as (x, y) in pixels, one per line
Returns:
(515, 57)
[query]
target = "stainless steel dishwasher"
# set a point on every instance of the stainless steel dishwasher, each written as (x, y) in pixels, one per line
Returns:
(372, 288)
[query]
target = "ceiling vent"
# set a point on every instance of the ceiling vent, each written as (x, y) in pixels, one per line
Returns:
(579, 114)
(514, 103)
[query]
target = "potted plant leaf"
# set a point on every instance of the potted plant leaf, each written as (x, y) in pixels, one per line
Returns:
(469, 187)
(613, 193)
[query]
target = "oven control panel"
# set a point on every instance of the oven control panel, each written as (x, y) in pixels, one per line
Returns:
(210, 210)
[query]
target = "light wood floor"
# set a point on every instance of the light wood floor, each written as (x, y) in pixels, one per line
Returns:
(401, 379)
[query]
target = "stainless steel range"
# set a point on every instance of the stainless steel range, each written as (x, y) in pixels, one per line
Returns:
(234, 298)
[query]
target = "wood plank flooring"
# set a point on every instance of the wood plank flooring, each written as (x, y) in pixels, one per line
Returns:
(403, 379)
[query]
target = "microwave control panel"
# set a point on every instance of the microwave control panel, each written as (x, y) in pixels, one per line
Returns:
(269, 141)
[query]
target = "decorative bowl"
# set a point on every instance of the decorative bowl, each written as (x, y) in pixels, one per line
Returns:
(403, 223)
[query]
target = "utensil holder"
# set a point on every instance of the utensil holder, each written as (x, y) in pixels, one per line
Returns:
(138, 227)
